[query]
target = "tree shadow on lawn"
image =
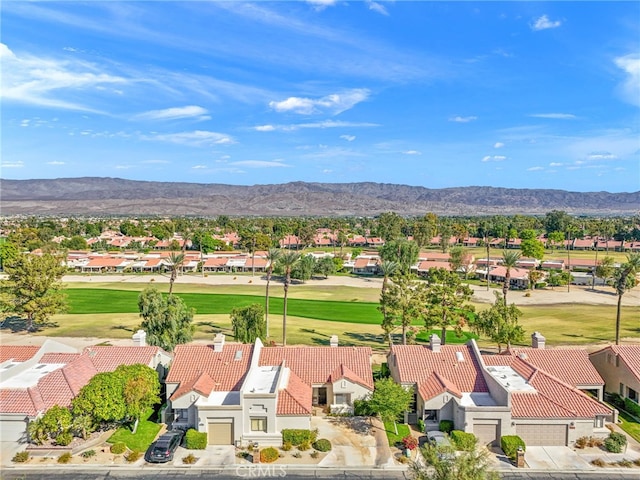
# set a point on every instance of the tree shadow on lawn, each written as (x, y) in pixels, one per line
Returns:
(17, 324)
(122, 327)
(597, 339)
(213, 327)
(373, 338)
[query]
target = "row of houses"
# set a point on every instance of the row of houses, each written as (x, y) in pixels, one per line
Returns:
(239, 393)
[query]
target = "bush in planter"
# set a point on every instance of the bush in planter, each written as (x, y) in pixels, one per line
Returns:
(118, 448)
(268, 455)
(322, 445)
(421, 425)
(463, 440)
(20, 457)
(195, 440)
(446, 426)
(189, 459)
(615, 442)
(297, 436)
(510, 444)
(286, 446)
(64, 439)
(65, 457)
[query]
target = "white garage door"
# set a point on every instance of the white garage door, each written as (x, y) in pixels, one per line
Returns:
(487, 433)
(221, 433)
(13, 430)
(542, 435)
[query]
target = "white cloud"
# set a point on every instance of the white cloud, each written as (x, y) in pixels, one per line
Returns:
(55, 162)
(197, 138)
(259, 164)
(498, 145)
(630, 87)
(320, 124)
(333, 104)
(199, 167)
(264, 128)
(17, 164)
(348, 138)
(460, 119)
(557, 116)
(321, 4)
(556, 164)
(543, 23)
(326, 170)
(377, 7)
(25, 123)
(412, 152)
(601, 156)
(494, 158)
(175, 113)
(123, 167)
(45, 82)
(534, 169)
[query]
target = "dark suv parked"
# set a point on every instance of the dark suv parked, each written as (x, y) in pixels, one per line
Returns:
(164, 447)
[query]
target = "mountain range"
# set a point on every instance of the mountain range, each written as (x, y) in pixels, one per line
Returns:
(93, 196)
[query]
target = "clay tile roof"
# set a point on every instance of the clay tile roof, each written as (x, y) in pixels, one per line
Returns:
(630, 355)
(105, 262)
(53, 357)
(215, 261)
(190, 361)
(17, 401)
(314, 365)
(416, 363)
(256, 262)
(571, 365)
(295, 398)
(346, 372)
(17, 353)
(428, 264)
(435, 385)
(108, 358)
(361, 262)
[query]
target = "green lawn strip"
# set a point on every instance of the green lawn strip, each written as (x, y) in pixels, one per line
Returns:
(629, 425)
(452, 336)
(403, 431)
(144, 436)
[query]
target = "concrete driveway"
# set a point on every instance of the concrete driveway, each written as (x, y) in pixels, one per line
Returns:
(555, 458)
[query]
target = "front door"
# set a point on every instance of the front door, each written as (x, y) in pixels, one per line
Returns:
(319, 395)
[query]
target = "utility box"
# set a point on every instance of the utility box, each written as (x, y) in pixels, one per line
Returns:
(520, 458)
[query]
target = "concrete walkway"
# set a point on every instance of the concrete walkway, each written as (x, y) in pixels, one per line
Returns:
(555, 458)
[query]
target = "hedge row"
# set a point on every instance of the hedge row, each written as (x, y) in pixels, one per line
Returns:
(510, 444)
(299, 436)
(463, 440)
(195, 440)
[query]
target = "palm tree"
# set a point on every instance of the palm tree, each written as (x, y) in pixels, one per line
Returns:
(509, 260)
(176, 260)
(272, 257)
(287, 261)
(388, 268)
(625, 279)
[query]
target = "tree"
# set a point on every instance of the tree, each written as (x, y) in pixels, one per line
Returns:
(447, 301)
(555, 238)
(500, 323)
(55, 421)
(33, 287)
(175, 262)
(556, 221)
(533, 248)
(605, 268)
(425, 229)
(388, 269)
(286, 262)
(272, 258)
(167, 320)
(457, 257)
(509, 261)
(389, 400)
(534, 277)
(404, 252)
(390, 226)
(304, 268)
(102, 398)
(325, 266)
(248, 323)
(74, 243)
(403, 301)
(625, 278)
(141, 389)
(8, 253)
(474, 465)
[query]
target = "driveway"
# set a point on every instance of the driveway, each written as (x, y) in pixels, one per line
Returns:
(555, 458)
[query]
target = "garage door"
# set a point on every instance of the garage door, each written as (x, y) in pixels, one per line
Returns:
(13, 430)
(221, 433)
(487, 433)
(542, 435)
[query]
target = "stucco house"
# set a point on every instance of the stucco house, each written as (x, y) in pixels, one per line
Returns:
(494, 395)
(240, 393)
(619, 366)
(34, 379)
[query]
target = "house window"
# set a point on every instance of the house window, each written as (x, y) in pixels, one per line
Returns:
(258, 424)
(431, 415)
(621, 390)
(633, 395)
(182, 414)
(342, 398)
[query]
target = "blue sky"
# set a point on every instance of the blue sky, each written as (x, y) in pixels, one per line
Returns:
(437, 94)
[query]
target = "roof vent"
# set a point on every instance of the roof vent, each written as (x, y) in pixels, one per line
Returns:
(434, 341)
(459, 357)
(218, 342)
(537, 340)
(523, 355)
(333, 341)
(238, 355)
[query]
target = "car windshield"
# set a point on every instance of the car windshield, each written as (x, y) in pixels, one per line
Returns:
(161, 447)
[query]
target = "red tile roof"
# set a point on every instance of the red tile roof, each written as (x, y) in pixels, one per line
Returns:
(17, 353)
(417, 363)
(428, 264)
(295, 398)
(314, 365)
(345, 372)
(435, 385)
(108, 358)
(571, 365)
(629, 354)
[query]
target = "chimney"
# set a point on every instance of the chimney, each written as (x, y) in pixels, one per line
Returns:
(537, 340)
(140, 338)
(218, 342)
(333, 341)
(434, 341)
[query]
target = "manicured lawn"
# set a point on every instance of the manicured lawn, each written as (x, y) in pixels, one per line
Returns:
(629, 425)
(144, 436)
(452, 337)
(403, 431)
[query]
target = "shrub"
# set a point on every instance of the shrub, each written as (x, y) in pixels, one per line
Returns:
(298, 436)
(446, 426)
(402, 459)
(195, 440)
(242, 455)
(88, 454)
(65, 457)
(191, 459)
(322, 445)
(421, 425)
(133, 456)
(595, 442)
(636, 462)
(315, 454)
(582, 442)
(625, 463)
(615, 442)
(64, 439)
(510, 444)
(296, 455)
(118, 448)
(361, 408)
(268, 455)
(286, 446)
(463, 440)
(304, 446)
(20, 457)
(409, 442)
(632, 407)
(598, 462)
